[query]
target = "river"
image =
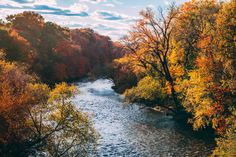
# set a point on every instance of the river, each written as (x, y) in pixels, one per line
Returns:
(128, 131)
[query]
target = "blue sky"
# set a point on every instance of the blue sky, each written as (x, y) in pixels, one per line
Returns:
(107, 17)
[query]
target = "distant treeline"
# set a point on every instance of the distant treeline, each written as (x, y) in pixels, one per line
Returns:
(53, 52)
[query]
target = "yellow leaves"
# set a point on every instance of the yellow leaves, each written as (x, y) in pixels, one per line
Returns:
(177, 71)
(60, 121)
(176, 61)
(124, 60)
(206, 101)
(177, 53)
(200, 122)
(55, 115)
(38, 93)
(62, 92)
(131, 62)
(147, 89)
(168, 88)
(197, 98)
(226, 16)
(2, 54)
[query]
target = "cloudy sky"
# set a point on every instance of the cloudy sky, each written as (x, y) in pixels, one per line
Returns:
(107, 17)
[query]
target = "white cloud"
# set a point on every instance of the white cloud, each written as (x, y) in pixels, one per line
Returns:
(167, 2)
(5, 12)
(28, 3)
(151, 6)
(11, 3)
(45, 2)
(77, 7)
(110, 21)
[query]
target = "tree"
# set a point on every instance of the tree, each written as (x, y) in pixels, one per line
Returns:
(36, 119)
(195, 22)
(59, 128)
(209, 89)
(226, 145)
(14, 99)
(150, 93)
(28, 24)
(149, 45)
(46, 46)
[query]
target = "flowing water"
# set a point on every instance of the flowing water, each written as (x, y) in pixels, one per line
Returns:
(128, 131)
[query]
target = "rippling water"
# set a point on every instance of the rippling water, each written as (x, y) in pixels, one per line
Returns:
(128, 131)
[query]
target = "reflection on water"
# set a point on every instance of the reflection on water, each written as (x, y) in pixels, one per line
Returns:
(128, 131)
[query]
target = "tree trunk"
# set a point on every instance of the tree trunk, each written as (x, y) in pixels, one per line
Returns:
(176, 100)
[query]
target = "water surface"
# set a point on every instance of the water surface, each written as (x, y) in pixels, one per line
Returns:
(128, 131)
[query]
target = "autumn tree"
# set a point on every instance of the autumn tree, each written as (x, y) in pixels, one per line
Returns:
(209, 89)
(59, 129)
(195, 22)
(36, 119)
(46, 47)
(191, 57)
(14, 99)
(149, 45)
(27, 24)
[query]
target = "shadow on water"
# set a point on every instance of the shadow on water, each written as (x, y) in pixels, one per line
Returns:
(131, 131)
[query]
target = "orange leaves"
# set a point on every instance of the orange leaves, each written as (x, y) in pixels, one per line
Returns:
(202, 62)
(18, 37)
(206, 66)
(205, 43)
(13, 82)
(188, 7)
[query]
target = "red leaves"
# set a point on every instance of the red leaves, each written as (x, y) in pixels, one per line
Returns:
(53, 52)
(219, 110)
(222, 126)
(60, 71)
(67, 49)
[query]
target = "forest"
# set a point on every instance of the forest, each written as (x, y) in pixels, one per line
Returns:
(182, 60)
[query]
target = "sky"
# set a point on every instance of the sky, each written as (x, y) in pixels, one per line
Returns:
(107, 17)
